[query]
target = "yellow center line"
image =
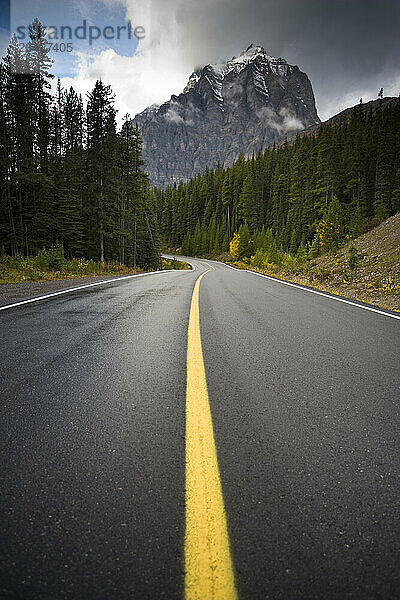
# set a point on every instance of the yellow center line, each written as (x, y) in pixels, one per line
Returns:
(211, 267)
(208, 564)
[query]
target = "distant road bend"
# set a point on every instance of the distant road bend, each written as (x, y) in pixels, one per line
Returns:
(204, 435)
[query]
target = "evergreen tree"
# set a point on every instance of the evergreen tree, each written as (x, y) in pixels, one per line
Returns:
(330, 231)
(196, 240)
(349, 171)
(102, 174)
(245, 247)
(385, 170)
(67, 177)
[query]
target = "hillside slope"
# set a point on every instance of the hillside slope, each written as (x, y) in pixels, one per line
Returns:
(345, 116)
(375, 279)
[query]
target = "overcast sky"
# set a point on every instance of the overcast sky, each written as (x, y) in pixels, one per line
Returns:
(348, 48)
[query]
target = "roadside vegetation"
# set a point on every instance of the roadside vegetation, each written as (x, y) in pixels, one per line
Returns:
(366, 268)
(175, 264)
(50, 264)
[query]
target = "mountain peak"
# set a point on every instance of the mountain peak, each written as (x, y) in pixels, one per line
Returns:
(240, 105)
(253, 54)
(237, 64)
(254, 50)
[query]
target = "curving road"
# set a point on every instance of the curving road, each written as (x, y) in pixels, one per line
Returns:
(303, 392)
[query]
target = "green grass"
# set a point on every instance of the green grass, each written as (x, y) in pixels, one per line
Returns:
(44, 267)
(50, 264)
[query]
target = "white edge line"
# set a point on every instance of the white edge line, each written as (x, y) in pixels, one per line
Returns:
(318, 293)
(88, 285)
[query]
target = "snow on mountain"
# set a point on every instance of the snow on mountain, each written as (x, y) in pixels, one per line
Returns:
(279, 66)
(256, 56)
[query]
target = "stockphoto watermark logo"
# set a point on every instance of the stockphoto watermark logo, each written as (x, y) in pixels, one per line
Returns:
(65, 34)
(65, 30)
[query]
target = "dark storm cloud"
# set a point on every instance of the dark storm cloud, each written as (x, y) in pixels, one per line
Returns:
(348, 49)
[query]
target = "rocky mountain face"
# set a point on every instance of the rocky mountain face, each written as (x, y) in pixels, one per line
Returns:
(239, 106)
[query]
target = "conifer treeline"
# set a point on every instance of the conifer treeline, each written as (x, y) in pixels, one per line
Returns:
(67, 175)
(313, 194)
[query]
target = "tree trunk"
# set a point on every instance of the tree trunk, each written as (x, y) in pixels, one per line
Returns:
(134, 245)
(101, 243)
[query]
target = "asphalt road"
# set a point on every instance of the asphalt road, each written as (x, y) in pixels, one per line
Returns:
(304, 398)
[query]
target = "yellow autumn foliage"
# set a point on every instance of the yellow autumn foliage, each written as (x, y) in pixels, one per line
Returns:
(234, 245)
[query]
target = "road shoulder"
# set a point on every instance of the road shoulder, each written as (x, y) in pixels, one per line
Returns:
(14, 292)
